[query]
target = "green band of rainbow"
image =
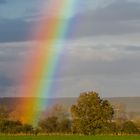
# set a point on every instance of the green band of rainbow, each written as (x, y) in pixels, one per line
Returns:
(51, 35)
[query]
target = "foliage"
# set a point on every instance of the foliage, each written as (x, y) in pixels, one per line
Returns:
(64, 126)
(49, 124)
(8, 127)
(55, 119)
(56, 110)
(91, 114)
(130, 128)
(53, 125)
(27, 129)
(4, 113)
(15, 127)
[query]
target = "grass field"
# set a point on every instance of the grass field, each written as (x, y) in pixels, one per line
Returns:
(69, 137)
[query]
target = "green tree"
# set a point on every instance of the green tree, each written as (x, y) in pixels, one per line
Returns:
(91, 113)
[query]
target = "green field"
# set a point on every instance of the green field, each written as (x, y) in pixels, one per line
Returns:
(69, 137)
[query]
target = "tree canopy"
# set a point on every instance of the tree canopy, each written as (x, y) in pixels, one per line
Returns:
(91, 113)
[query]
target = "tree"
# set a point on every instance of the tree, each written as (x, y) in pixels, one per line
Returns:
(130, 128)
(56, 119)
(49, 124)
(4, 114)
(137, 123)
(110, 128)
(53, 125)
(91, 113)
(56, 110)
(27, 129)
(64, 126)
(10, 127)
(36, 131)
(120, 116)
(120, 112)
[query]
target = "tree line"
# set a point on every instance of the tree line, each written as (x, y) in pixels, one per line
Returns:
(90, 115)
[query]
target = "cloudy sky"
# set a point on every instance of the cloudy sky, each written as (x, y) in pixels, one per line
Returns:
(102, 52)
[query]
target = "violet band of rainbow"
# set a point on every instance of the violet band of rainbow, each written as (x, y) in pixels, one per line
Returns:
(51, 36)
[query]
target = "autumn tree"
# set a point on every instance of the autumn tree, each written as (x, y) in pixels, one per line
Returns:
(4, 113)
(56, 110)
(130, 128)
(56, 119)
(10, 127)
(91, 113)
(49, 125)
(64, 126)
(27, 129)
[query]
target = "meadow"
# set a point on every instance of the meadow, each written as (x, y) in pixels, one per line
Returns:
(69, 137)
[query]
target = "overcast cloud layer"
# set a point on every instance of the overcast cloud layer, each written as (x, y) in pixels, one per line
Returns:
(102, 52)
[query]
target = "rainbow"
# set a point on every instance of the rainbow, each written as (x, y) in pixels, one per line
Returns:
(50, 35)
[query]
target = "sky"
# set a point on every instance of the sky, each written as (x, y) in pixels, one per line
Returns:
(102, 54)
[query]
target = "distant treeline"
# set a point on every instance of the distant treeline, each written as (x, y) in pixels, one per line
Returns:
(91, 115)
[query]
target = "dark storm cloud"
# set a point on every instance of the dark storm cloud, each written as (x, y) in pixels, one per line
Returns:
(120, 10)
(109, 58)
(5, 83)
(14, 30)
(93, 28)
(3, 1)
(117, 18)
